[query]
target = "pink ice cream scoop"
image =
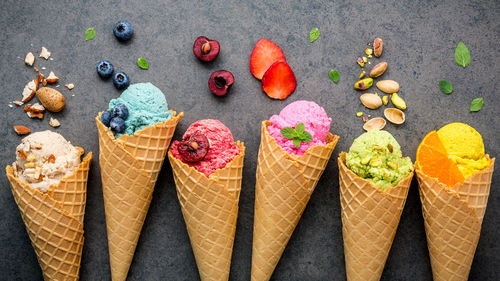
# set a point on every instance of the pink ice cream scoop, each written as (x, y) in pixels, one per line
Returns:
(315, 120)
(207, 145)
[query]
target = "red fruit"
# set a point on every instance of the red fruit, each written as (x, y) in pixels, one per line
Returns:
(194, 147)
(220, 82)
(264, 54)
(206, 49)
(279, 81)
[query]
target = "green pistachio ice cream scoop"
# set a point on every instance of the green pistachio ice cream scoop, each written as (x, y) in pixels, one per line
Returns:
(376, 156)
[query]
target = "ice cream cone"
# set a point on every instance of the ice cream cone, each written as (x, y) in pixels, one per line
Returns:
(54, 221)
(210, 209)
(129, 169)
(284, 184)
(453, 218)
(370, 218)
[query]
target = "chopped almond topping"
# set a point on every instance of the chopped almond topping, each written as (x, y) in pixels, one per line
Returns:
(21, 154)
(52, 159)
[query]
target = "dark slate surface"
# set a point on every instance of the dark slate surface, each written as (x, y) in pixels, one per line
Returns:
(420, 37)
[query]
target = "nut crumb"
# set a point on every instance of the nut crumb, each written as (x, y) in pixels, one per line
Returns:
(69, 85)
(54, 122)
(52, 78)
(35, 115)
(29, 59)
(22, 130)
(44, 53)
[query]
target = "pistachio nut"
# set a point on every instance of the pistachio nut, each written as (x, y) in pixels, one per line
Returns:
(363, 74)
(360, 62)
(385, 100)
(376, 123)
(371, 101)
(378, 47)
(388, 86)
(398, 101)
(394, 115)
(365, 60)
(365, 160)
(378, 69)
(392, 165)
(363, 84)
(368, 51)
(359, 114)
(377, 162)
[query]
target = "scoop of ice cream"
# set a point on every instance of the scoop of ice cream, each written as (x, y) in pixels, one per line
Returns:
(465, 147)
(222, 148)
(44, 158)
(146, 106)
(314, 118)
(377, 157)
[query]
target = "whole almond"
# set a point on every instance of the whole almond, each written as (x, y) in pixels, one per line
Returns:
(378, 47)
(378, 69)
(371, 101)
(388, 86)
(51, 99)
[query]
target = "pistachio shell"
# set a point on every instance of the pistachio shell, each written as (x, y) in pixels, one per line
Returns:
(376, 123)
(378, 47)
(371, 101)
(388, 86)
(394, 115)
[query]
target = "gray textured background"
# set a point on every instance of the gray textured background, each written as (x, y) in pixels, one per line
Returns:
(420, 37)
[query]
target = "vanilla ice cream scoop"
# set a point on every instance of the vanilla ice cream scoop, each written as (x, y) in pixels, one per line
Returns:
(44, 158)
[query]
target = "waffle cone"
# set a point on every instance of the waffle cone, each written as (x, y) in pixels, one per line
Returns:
(210, 210)
(54, 221)
(284, 184)
(453, 218)
(129, 169)
(370, 218)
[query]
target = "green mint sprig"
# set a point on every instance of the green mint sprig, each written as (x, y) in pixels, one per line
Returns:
(299, 135)
(143, 63)
(313, 34)
(445, 87)
(462, 55)
(89, 34)
(476, 104)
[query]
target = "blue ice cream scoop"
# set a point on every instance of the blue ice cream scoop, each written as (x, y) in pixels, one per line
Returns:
(146, 106)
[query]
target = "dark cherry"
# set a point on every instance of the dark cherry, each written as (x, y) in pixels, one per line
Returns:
(220, 82)
(206, 49)
(194, 147)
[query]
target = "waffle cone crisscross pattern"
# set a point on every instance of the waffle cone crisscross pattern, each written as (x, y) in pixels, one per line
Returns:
(370, 218)
(54, 221)
(284, 184)
(453, 218)
(129, 169)
(210, 210)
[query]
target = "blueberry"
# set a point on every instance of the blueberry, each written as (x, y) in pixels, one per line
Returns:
(106, 118)
(120, 80)
(120, 111)
(117, 124)
(123, 30)
(105, 69)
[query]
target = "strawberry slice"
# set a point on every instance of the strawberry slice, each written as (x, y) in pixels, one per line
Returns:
(279, 81)
(264, 54)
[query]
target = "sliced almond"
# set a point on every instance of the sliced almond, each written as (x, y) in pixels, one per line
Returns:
(37, 108)
(52, 78)
(394, 115)
(35, 115)
(18, 102)
(69, 85)
(52, 158)
(29, 59)
(54, 122)
(30, 90)
(377, 123)
(45, 53)
(28, 165)
(371, 101)
(388, 86)
(22, 130)
(21, 154)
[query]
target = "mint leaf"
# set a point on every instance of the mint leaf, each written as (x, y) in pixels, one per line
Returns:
(445, 87)
(476, 104)
(300, 128)
(287, 133)
(297, 143)
(462, 55)
(313, 35)
(142, 63)
(334, 76)
(89, 34)
(306, 137)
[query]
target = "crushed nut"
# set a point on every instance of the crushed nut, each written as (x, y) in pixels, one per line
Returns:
(33, 115)
(21, 154)
(31, 158)
(28, 165)
(29, 59)
(365, 119)
(22, 130)
(359, 114)
(69, 85)
(52, 78)
(52, 158)
(360, 62)
(54, 122)
(18, 102)
(45, 53)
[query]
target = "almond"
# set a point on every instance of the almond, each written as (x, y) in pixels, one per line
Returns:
(18, 102)
(44, 82)
(69, 86)
(21, 154)
(388, 86)
(29, 59)
(45, 53)
(36, 108)
(378, 47)
(29, 90)
(52, 158)
(51, 99)
(52, 78)
(22, 130)
(40, 77)
(378, 69)
(33, 115)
